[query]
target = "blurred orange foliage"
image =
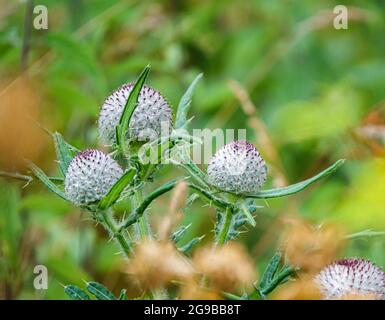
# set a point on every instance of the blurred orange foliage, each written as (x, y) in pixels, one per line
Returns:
(228, 268)
(156, 264)
(20, 136)
(312, 247)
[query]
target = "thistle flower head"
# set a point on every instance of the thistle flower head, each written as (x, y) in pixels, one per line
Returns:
(351, 276)
(237, 168)
(90, 176)
(151, 118)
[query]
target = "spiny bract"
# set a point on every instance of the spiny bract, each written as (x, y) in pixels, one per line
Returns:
(90, 176)
(237, 168)
(151, 118)
(351, 276)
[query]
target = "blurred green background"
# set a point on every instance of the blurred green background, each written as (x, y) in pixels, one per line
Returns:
(318, 91)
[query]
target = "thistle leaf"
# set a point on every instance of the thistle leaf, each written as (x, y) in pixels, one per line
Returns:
(365, 234)
(184, 104)
(122, 295)
(76, 293)
(99, 291)
(177, 235)
(129, 108)
(113, 195)
(294, 188)
(64, 152)
(283, 275)
(247, 214)
(209, 197)
(270, 270)
(38, 173)
(230, 296)
(189, 245)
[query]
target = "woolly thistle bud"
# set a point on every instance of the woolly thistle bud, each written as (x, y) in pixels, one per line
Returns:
(90, 176)
(237, 168)
(151, 118)
(351, 276)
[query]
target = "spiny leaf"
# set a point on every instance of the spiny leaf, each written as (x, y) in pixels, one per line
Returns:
(76, 293)
(209, 197)
(122, 295)
(178, 234)
(185, 102)
(64, 152)
(281, 278)
(129, 108)
(188, 246)
(365, 234)
(230, 296)
(247, 214)
(239, 220)
(270, 270)
(294, 188)
(38, 173)
(16, 175)
(113, 195)
(191, 199)
(19, 176)
(99, 291)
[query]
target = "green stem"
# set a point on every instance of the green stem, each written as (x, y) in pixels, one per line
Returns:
(16, 175)
(110, 225)
(210, 197)
(195, 172)
(149, 168)
(222, 237)
(256, 295)
(141, 207)
(144, 227)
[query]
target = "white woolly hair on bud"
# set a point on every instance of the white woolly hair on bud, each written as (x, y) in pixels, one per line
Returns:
(151, 118)
(351, 276)
(90, 176)
(238, 168)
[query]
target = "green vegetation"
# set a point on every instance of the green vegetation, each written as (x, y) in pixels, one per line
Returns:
(308, 95)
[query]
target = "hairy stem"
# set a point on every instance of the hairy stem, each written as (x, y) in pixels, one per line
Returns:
(144, 227)
(27, 35)
(140, 208)
(223, 233)
(109, 224)
(196, 173)
(207, 195)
